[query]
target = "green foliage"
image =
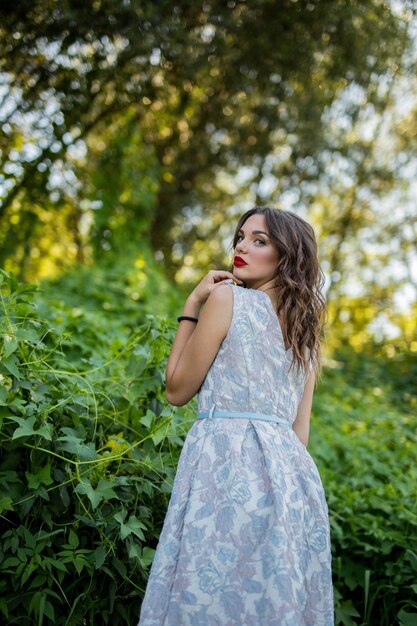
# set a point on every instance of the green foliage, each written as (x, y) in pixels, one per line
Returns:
(364, 443)
(89, 452)
(123, 291)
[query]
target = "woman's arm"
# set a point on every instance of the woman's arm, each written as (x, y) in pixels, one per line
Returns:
(185, 330)
(196, 344)
(301, 425)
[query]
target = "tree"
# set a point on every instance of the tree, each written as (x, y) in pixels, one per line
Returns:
(211, 86)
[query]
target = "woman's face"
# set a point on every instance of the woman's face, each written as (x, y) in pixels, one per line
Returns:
(260, 254)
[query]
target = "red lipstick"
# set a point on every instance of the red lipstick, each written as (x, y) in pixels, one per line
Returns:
(239, 262)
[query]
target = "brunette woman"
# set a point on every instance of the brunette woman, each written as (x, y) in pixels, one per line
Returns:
(246, 538)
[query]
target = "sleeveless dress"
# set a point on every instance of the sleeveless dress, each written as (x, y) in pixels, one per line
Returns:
(246, 537)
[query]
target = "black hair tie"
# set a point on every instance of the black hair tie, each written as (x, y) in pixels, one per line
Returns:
(187, 317)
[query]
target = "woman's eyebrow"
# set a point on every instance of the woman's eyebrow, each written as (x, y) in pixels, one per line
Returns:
(254, 232)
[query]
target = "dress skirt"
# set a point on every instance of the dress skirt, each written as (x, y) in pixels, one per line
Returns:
(246, 537)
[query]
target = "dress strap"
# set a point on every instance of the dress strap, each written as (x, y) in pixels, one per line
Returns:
(244, 415)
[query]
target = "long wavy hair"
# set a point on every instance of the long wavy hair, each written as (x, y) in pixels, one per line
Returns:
(298, 283)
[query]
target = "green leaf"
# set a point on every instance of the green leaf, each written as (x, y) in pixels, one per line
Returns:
(38, 581)
(30, 539)
(10, 562)
(6, 504)
(412, 557)
(59, 566)
(79, 563)
(345, 612)
(27, 334)
(134, 551)
(26, 428)
(18, 403)
(71, 442)
(100, 556)
(10, 345)
(3, 396)
(73, 539)
(49, 612)
(147, 557)
(158, 435)
(103, 491)
(407, 619)
(42, 477)
(82, 400)
(30, 568)
(146, 420)
(11, 365)
(3, 603)
(119, 566)
(133, 525)
(26, 288)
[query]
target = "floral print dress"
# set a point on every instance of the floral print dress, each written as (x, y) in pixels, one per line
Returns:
(246, 537)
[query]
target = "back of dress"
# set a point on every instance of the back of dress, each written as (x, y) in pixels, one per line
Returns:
(251, 369)
(246, 537)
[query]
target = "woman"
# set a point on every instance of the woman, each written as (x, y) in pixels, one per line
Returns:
(246, 538)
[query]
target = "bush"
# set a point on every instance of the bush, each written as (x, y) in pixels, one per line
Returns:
(364, 441)
(89, 452)
(90, 449)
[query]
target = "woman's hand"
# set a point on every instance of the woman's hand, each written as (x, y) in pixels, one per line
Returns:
(211, 281)
(185, 348)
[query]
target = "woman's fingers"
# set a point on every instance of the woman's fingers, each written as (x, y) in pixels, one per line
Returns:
(231, 281)
(219, 275)
(212, 280)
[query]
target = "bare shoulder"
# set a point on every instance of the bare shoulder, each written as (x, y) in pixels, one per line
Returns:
(218, 310)
(222, 293)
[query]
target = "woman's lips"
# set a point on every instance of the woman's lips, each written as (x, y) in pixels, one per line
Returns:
(239, 263)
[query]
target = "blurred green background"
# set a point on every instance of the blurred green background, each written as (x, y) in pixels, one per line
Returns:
(134, 135)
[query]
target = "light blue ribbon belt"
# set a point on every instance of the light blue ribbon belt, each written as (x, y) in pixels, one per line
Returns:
(244, 414)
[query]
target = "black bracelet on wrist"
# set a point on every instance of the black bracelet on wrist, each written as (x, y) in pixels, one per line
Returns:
(187, 317)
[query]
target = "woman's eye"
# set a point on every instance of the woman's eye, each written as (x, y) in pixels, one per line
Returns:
(240, 237)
